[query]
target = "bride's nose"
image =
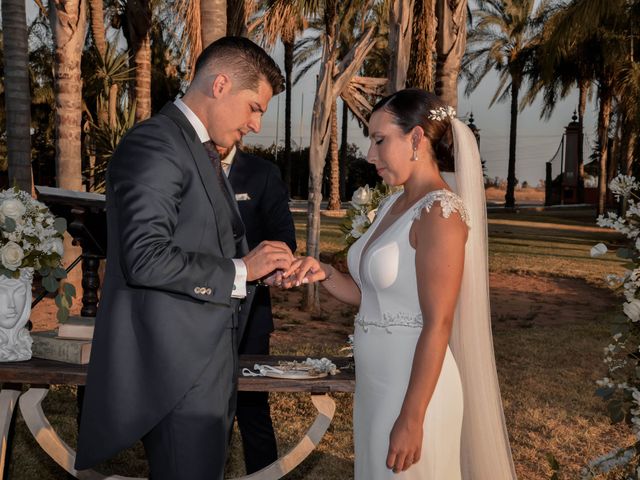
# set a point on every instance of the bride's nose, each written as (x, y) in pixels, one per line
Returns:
(371, 156)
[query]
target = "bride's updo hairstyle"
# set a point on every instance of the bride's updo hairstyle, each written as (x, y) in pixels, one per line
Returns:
(411, 108)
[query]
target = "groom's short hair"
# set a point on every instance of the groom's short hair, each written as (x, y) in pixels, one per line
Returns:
(247, 62)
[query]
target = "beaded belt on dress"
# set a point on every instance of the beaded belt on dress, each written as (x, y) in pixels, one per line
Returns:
(390, 319)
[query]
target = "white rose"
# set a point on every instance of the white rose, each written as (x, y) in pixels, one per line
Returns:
(12, 208)
(632, 309)
(56, 246)
(598, 250)
(362, 196)
(11, 255)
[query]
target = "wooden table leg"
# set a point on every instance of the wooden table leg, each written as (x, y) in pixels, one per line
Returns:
(48, 439)
(8, 400)
(326, 408)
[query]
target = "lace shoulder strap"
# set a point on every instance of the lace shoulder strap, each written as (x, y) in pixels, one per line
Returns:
(449, 201)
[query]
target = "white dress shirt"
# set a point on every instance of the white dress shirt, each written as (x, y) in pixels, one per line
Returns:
(240, 281)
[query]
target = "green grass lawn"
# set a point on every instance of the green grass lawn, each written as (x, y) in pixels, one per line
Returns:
(547, 365)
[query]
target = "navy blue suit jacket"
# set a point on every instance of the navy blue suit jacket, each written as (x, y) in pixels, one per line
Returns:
(263, 201)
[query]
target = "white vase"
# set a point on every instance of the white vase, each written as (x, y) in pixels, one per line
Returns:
(15, 309)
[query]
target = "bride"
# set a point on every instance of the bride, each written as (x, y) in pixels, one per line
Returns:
(427, 401)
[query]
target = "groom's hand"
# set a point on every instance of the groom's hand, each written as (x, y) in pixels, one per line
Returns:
(267, 257)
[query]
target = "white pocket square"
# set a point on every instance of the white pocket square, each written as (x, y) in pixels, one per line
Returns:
(242, 196)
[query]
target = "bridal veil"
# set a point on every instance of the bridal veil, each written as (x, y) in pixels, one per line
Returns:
(485, 450)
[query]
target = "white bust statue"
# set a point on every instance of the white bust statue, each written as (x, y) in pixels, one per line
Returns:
(15, 308)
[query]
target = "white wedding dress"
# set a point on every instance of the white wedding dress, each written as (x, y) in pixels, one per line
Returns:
(387, 328)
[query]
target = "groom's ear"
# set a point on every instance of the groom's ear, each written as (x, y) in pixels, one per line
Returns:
(221, 84)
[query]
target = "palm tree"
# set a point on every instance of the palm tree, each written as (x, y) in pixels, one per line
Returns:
(420, 74)
(503, 39)
(333, 78)
(451, 42)
(17, 93)
(68, 24)
(139, 22)
(556, 78)
(96, 9)
(306, 56)
(400, 35)
(284, 20)
(213, 20)
(606, 29)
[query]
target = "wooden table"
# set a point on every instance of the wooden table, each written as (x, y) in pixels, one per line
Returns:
(39, 374)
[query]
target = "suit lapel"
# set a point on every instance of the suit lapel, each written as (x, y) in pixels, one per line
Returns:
(208, 178)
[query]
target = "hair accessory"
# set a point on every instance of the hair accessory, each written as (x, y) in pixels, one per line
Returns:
(441, 113)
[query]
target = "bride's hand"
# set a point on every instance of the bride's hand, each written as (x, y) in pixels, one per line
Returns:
(303, 270)
(405, 444)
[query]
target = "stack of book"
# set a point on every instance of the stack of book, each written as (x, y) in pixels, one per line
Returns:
(71, 343)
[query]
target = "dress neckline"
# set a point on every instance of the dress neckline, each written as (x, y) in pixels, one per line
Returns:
(372, 239)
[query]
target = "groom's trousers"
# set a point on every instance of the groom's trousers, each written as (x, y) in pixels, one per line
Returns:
(191, 442)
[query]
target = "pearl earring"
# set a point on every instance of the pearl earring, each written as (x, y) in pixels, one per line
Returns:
(415, 154)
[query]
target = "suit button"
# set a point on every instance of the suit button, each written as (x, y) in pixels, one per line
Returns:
(208, 291)
(234, 287)
(197, 290)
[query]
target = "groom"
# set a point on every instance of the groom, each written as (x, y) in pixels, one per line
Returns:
(164, 356)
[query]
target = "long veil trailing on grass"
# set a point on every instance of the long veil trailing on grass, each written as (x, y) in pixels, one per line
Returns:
(486, 454)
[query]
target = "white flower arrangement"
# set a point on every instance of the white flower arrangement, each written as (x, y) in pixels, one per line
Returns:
(364, 207)
(621, 387)
(31, 238)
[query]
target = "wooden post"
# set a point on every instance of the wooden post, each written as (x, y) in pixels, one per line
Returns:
(547, 185)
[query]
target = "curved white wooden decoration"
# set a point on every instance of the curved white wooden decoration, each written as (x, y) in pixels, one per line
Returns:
(63, 455)
(48, 439)
(8, 402)
(278, 469)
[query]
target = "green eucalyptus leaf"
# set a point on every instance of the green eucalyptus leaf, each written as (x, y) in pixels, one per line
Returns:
(60, 225)
(44, 271)
(9, 224)
(69, 290)
(50, 283)
(62, 315)
(59, 273)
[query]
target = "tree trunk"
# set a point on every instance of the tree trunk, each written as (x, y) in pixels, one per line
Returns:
(288, 72)
(400, 33)
(139, 26)
(583, 88)
(604, 117)
(332, 80)
(510, 199)
(17, 94)
(68, 25)
(96, 8)
(334, 189)
(142, 59)
(213, 20)
(450, 46)
(236, 19)
(420, 74)
(343, 150)
(113, 105)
